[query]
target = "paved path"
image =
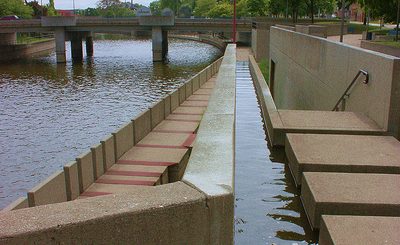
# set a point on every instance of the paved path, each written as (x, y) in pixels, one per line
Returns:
(351, 39)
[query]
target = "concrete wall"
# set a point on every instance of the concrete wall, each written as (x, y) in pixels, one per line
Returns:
(312, 73)
(198, 210)
(375, 46)
(260, 41)
(10, 52)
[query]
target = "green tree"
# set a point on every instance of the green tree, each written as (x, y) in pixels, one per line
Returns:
(242, 9)
(15, 7)
(155, 7)
(276, 7)
(174, 5)
(203, 7)
(91, 12)
(221, 10)
(51, 10)
(256, 7)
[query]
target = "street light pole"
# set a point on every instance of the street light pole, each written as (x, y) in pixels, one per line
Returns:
(234, 21)
(398, 19)
(342, 23)
(73, 5)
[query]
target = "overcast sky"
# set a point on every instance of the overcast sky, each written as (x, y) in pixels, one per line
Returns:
(82, 4)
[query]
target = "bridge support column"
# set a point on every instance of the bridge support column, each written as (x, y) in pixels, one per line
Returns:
(76, 47)
(160, 43)
(89, 45)
(8, 38)
(60, 45)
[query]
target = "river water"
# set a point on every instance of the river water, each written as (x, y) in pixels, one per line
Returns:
(50, 113)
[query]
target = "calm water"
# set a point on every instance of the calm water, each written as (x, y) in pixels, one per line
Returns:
(52, 113)
(267, 208)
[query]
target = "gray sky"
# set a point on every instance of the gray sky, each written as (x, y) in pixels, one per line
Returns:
(82, 4)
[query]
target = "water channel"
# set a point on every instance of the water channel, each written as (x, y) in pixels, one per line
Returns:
(267, 204)
(52, 113)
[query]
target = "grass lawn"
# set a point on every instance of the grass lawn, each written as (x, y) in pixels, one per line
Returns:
(389, 43)
(29, 40)
(264, 67)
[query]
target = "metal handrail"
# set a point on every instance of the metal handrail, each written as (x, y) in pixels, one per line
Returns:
(346, 94)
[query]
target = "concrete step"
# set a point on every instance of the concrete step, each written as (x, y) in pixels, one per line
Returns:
(349, 194)
(182, 110)
(341, 153)
(337, 229)
(319, 122)
(98, 189)
(182, 117)
(191, 103)
(183, 127)
(203, 91)
(198, 97)
(153, 156)
(167, 140)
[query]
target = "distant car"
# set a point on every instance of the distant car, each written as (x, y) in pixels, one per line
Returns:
(9, 17)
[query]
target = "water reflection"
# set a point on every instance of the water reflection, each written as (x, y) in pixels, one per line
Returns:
(267, 207)
(50, 113)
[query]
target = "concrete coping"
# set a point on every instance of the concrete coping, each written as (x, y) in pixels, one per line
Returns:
(58, 21)
(157, 20)
(211, 165)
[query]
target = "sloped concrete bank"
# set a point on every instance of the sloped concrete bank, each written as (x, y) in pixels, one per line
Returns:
(18, 51)
(196, 210)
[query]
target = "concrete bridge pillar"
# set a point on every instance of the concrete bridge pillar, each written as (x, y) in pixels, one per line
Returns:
(8, 38)
(160, 43)
(60, 45)
(89, 45)
(76, 47)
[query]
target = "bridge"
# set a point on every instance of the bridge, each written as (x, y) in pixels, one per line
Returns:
(77, 28)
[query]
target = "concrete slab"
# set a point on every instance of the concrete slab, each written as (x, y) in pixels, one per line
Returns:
(52, 190)
(98, 160)
(123, 138)
(199, 97)
(146, 170)
(349, 194)
(174, 99)
(142, 125)
(320, 122)
(176, 127)
(98, 189)
(72, 180)
(209, 84)
(182, 117)
(127, 180)
(341, 153)
(195, 103)
(182, 94)
(167, 140)
(203, 91)
(108, 152)
(157, 113)
(85, 170)
(349, 230)
(141, 155)
(196, 83)
(167, 105)
(189, 110)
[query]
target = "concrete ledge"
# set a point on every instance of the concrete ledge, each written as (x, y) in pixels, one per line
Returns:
(349, 194)
(157, 20)
(52, 190)
(85, 170)
(98, 160)
(108, 152)
(157, 113)
(375, 46)
(167, 106)
(72, 180)
(174, 100)
(196, 83)
(166, 214)
(341, 153)
(58, 21)
(123, 138)
(343, 230)
(142, 125)
(211, 164)
(21, 202)
(182, 94)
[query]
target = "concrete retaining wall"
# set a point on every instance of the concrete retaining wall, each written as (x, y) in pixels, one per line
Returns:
(315, 76)
(375, 46)
(196, 211)
(20, 51)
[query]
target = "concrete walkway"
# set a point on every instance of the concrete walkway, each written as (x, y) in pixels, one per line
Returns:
(162, 155)
(351, 39)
